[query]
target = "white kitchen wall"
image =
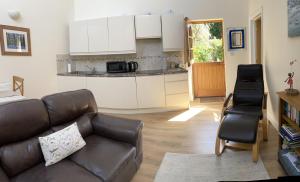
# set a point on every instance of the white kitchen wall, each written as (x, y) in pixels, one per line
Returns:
(48, 22)
(278, 50)
(234, 13)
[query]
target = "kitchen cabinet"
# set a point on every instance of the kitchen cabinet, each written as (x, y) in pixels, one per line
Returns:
(177, 90)
(121, 35)
(151, 91)
(114, 92)
(70, 83)
(98, 35)
(172, 32)
(78, 34)
(148, 26)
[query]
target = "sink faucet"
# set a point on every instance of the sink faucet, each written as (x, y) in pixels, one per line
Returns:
(92, 69)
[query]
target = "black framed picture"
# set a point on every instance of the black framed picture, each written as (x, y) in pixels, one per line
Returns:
(236, 39)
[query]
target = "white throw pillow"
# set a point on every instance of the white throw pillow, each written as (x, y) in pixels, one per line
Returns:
(61, 144)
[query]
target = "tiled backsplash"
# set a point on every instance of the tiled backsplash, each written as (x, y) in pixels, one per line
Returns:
(149, 57)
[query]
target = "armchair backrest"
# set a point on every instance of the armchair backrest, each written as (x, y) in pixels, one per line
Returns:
(249, 86)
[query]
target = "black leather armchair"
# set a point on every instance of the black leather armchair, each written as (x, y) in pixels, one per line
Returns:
(243, 112)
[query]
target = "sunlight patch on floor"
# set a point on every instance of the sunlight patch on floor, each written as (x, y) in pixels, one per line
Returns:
(217, 117)
(185, 116)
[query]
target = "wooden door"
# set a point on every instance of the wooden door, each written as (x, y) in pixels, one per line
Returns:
(209, 79)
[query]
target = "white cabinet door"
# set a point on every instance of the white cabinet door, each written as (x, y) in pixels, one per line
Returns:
(78, 32)
(114, 93)
(121, 34)
(151, 91)
(178, 100)
(148, 26)
(70, 83)
(98, 35)
(173, 32)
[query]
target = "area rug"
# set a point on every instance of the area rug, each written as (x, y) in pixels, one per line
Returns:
(233, 166)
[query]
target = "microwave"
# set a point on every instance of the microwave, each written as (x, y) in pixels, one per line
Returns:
(116, 67)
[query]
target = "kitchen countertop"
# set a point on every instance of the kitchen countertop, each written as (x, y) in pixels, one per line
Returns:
(130, 74)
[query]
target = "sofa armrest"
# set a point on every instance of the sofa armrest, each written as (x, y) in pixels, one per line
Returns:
(121, 129)
(3, 176)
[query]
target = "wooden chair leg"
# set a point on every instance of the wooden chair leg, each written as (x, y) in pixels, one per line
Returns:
(255, 148)
(219, 146)
(265, 126)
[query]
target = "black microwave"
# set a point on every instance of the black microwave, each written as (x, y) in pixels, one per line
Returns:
(116, 67)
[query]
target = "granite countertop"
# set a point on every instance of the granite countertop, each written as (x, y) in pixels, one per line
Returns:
(130, 74)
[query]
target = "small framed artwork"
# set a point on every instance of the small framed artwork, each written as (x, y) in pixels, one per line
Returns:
(15, 41)
(236, 39)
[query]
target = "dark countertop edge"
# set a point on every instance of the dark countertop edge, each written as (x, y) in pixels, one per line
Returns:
(145, 73)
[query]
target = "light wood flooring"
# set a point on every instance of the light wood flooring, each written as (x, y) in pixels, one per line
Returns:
(191, 135)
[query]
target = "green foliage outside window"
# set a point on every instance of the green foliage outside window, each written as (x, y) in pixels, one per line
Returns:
(208, 43)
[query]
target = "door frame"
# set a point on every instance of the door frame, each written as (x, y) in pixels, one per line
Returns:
(258, 14)
(203, 21)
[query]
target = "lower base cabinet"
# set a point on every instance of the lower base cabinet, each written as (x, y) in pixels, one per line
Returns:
(114, 93)
(70, 83)
(151, 91)
(133, 93)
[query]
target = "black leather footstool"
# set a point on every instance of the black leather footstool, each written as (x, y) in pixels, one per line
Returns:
(239, 128)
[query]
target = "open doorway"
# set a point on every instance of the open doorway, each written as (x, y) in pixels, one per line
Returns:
(258, 45)
(256, 37)
(207, 45)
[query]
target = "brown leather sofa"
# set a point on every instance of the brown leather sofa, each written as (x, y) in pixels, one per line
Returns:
(113, 150)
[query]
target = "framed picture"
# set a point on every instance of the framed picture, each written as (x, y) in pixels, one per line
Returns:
(15, 41)
(236, 38)
(294, 17)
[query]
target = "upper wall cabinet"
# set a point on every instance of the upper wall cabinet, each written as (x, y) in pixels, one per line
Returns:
(103, 36)
(78, 33)
(121, 34)
(173, 32)
(148, 26)
(98, 35)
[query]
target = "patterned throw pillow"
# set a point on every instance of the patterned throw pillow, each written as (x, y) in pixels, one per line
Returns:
(61, 144)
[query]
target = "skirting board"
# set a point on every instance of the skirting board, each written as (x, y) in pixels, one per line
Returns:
(139, 111)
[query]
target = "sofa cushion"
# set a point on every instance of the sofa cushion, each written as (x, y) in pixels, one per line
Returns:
(16, 117)
(84, 124)
(247, 110)
(64, 171)
(61, 144)
(239, 128)
(103, 157)
(3, 176)
(67, 106)
(20, 156)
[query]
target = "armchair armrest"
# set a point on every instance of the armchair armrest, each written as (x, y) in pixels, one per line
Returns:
(265, 100)
(225, 105)
(121, 129)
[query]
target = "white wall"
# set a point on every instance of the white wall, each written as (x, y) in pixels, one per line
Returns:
(48, 22)
(278, 50)
(234, 13)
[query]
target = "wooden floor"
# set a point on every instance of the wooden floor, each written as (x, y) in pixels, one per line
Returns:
(163, 133)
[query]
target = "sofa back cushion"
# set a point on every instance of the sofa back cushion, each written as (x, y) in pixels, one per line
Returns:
(84, 124)
(20, 124)
(67, 106)
(22, 120)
